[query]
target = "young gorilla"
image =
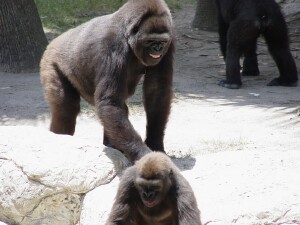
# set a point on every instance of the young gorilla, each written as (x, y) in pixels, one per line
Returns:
(240, 24)
(153, 192)
(102, 61)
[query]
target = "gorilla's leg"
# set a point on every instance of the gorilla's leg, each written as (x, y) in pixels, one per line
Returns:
(250, 65)
(278, 45)
(222, 29)
(157, 90)
(233, 53)
(240, 34)
(64, 101)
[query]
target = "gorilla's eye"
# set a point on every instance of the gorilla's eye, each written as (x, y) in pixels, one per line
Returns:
(135, 29)
(149, 43)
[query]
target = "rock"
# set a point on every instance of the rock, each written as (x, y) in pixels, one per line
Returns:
(44, 177)
(97, 204)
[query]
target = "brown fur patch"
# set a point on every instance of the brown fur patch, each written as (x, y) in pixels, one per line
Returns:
(154, 164)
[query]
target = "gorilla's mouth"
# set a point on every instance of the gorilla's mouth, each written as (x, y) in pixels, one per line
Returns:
(150, 203)
(155, 56)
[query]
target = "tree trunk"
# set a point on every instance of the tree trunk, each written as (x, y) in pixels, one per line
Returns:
(22, 39)
(206, 15)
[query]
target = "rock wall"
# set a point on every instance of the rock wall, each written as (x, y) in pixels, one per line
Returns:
(44, 177)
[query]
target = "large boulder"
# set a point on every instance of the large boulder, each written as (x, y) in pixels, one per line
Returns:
(44, 177)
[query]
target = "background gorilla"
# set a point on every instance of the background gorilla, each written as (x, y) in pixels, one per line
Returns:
(102, 61)
(153, 191)
(240, 24)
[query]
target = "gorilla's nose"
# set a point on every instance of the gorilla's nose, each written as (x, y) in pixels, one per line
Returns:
(149, 196)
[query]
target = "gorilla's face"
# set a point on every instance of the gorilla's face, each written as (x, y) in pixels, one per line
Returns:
(153, 191)
(150, 40)
(154, 48)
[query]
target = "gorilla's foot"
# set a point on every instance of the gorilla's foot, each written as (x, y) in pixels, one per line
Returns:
(226, 84)
(278, 82)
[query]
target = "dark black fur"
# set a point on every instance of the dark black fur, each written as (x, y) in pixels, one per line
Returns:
(176, 205)
(102, 61)
(240, 24)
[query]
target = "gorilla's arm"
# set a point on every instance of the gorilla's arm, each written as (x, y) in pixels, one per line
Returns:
(110, 96)
(120, 213)
(188, 212)
(158, 93)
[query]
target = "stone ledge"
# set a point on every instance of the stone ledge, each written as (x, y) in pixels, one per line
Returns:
(44, 176)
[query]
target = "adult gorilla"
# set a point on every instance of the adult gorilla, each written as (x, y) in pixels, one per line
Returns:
(240, 24)
(102, 61)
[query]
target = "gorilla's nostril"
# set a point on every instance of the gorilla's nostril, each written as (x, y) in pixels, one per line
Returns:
(145, 195)
(151, 196)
